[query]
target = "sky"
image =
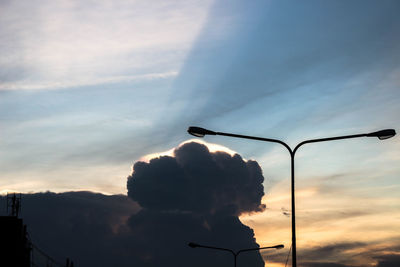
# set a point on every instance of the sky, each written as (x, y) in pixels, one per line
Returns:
(89, 88)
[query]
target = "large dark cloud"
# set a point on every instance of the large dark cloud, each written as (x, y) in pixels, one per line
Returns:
(86, 227)
(194, 196)
(197, 181)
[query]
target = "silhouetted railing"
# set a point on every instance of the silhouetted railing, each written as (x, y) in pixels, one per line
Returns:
(39, 258)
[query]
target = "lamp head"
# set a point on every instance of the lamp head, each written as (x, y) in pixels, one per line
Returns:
(383, 134)
(199, 132)
(193, 245)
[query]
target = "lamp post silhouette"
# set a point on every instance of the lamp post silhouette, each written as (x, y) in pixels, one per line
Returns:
(235, 254)
(383, 134)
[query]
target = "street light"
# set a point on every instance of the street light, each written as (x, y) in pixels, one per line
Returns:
(235, 254)
(382, 135)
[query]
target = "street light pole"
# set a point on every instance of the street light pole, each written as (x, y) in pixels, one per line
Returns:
(235, 254)
(383, 134)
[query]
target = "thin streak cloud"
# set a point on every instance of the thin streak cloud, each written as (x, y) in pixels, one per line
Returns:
(26, 85)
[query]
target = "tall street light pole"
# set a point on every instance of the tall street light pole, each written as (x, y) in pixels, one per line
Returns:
(383, 134)
(235, 254)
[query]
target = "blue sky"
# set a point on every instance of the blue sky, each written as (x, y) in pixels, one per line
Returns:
(127, 80)
(88, 88)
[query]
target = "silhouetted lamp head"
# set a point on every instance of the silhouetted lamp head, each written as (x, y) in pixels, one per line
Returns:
(383, 134)
(193, 245)
(199, 132)
(279, 246)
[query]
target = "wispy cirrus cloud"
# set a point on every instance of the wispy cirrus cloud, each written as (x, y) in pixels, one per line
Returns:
(24, 85)
(47, 44)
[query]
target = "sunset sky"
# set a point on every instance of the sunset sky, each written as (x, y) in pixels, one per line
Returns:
(88, 88)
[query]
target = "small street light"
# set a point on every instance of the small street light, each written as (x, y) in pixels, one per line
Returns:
(235, 254)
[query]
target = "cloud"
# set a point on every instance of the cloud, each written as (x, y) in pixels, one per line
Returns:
(198, 181)
(86, 81)
(49, 45)
(192, 196)
(161, 238)
(84, 226)
(330, 251)
(339, 254)
(298, 69)
(351, 254)
(324, 264)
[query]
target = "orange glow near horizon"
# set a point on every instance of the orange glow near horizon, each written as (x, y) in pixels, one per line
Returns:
(323, 221)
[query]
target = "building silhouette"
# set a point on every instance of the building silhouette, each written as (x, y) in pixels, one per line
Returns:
(16, 248)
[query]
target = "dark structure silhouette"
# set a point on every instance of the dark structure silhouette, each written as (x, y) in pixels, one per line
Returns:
(382, 135)
(13, 204)
(15, 248)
